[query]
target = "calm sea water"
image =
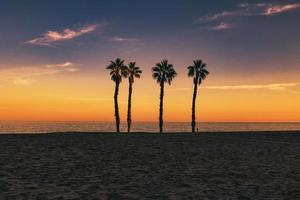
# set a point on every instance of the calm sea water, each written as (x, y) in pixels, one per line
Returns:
(46, 127)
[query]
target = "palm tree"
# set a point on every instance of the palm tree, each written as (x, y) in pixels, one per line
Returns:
(163, 72)
(133, 72)
(199, 72)
(117, 71)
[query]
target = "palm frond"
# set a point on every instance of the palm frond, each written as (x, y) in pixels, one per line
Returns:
(117, 70)
(133, 71)
(163, 72)
(198, 71)
(191, 71)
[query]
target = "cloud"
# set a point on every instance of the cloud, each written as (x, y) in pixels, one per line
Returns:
(123, 39)
(247, 9)
(222, 26)
(51, 37)
(63, 65)
(25, 75)
(272, 86)
(22, 81)
(87, 99)
(92, 99)
(71, 69)
(216, 16)
(275, 9)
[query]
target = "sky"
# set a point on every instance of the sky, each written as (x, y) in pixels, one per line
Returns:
(53, 56)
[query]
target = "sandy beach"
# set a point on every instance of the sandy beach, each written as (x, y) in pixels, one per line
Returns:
(261, 165)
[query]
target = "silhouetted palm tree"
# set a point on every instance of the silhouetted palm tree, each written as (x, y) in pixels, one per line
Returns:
(163, 72)
(117, 71)
(199, 72)
(133, 72)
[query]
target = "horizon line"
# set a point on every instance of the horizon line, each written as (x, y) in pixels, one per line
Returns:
(124, 122)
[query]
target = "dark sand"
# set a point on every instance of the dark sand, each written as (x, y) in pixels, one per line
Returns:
(150, 166)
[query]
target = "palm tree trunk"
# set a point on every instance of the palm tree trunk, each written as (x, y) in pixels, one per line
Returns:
(193, 106)
(129, 107)
(117, 107)
(161, 106)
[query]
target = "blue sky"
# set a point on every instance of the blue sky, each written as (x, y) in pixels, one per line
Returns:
(160, 25)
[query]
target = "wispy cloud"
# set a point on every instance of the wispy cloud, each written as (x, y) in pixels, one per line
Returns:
(91, 99)
(52, 37)
(275, 9)
(87, 99)
(216, 16)
(26, 75)
(67, 66)
(271, 86)
(247, 9)
(22, 81)
(63, 65)
(123, 39)
(222, 26)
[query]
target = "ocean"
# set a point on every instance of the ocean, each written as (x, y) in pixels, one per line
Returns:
(47, 127)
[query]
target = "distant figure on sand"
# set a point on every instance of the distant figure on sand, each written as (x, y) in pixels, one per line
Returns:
(199, 72)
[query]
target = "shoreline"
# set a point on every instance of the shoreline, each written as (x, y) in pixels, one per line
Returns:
(154, 133)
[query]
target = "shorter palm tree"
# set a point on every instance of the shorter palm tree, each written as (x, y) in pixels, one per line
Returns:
(163, 72)
(117, 70)
(199, 72)
(133, 72)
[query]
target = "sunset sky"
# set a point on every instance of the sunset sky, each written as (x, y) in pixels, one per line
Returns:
(53, 56)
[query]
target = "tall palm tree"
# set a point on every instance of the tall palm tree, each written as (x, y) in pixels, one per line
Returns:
(117, 70)
(133, 72)
(163, 72)
(199, 72)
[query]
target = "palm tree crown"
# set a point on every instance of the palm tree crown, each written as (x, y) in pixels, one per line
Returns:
(133, 72)
(117, 70)
(198, 71)
(164, 72)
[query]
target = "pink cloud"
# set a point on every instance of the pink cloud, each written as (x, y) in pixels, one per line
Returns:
(275, 9)
(51, 37)
(247, 9)
(123, 39)
(222, 26)
(216, 16)
(63, 65)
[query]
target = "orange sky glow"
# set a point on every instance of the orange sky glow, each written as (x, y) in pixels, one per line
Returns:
(88, 96)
